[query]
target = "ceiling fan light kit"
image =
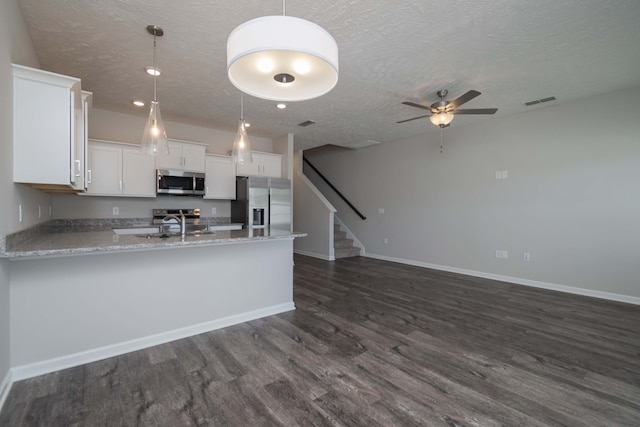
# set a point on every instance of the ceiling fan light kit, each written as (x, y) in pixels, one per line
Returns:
(442, 119)
(282, 58)
(443, 112)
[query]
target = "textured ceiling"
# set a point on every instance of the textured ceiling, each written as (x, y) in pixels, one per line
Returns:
(390, 51)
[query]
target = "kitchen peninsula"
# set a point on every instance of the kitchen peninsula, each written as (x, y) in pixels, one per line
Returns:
(80, 295)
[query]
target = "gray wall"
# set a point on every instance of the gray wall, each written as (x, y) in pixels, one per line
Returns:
(15, 46)
(571, 199)
(312, 214)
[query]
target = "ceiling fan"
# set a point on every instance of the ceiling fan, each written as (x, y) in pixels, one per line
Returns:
(443, 112)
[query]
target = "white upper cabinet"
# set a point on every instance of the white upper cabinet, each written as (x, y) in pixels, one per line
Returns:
(220, 178)
(48, 130)
(183, 156)
(264, 164)
(120, 170)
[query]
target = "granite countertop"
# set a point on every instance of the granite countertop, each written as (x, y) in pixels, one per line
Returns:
(55, 241)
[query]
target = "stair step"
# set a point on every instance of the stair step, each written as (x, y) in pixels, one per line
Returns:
(346, 252)
(343, 247)
(342, 243)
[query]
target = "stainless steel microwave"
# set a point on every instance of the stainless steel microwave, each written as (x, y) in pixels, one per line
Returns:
(181, 183)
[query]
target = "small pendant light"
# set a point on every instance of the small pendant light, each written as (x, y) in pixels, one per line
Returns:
(154, 138)
(241, 147)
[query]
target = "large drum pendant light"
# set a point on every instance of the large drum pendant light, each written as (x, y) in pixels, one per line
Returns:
(282, 58)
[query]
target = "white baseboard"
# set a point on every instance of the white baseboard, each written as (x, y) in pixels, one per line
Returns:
(5, 387)
(516, 280)
(314, 255)
(69, 361)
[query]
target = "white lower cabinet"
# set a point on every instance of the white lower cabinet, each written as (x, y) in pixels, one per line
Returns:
(263, 164)
(220, 178)
(117, 169)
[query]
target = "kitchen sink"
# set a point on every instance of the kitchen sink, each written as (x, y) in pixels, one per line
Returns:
(145, 230)
(167, 234)
(163, 231)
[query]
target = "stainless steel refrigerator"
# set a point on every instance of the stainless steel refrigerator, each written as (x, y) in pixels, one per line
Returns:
(262, 202)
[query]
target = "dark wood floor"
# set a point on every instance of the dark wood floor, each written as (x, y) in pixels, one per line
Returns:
(371, 343)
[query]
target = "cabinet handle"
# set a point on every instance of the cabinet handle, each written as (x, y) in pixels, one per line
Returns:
(120, 185)
(88, 176)
(78, 168)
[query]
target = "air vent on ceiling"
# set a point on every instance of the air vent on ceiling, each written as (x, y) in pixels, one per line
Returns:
(361, 144)
(306, 123)
(540, 101)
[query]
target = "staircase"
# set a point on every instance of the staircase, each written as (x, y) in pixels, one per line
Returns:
(343, 247)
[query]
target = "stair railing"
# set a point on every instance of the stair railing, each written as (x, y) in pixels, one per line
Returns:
(334, 188)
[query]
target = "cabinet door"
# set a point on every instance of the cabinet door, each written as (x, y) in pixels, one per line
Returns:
(41, 133)
(249, 169)
(173, 160)
(104, 175)
(138, 173)
(220, 178)
(80, 163)
(193, 158)
(271, 165)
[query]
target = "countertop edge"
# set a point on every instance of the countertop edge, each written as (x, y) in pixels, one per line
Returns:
(155, 245)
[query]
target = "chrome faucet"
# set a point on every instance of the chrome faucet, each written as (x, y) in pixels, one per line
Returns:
(181, 221)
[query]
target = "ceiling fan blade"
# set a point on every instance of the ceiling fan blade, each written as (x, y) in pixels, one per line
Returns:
(462, 99)
(476, 111)
(415, 118)
(413, 104)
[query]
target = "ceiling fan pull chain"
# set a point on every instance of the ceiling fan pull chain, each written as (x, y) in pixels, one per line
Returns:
(440, 139)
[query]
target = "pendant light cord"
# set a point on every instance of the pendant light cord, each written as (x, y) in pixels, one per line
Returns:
(242, 106)
(284, 7)
(155, 71)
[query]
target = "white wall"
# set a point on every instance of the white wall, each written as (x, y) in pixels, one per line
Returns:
(15, 47)
(571, 199)
(112, 126)
(5, 331)
(72, 310)
(284, 146)
(312, 214)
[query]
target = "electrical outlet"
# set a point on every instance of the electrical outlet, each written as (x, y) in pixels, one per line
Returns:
(505, 174)
(116, 210)
(526, 256)
(213, 211)
(505, 254)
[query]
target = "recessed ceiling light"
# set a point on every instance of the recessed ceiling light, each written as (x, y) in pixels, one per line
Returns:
(138, 103)
(152, 71)
(281, 105)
